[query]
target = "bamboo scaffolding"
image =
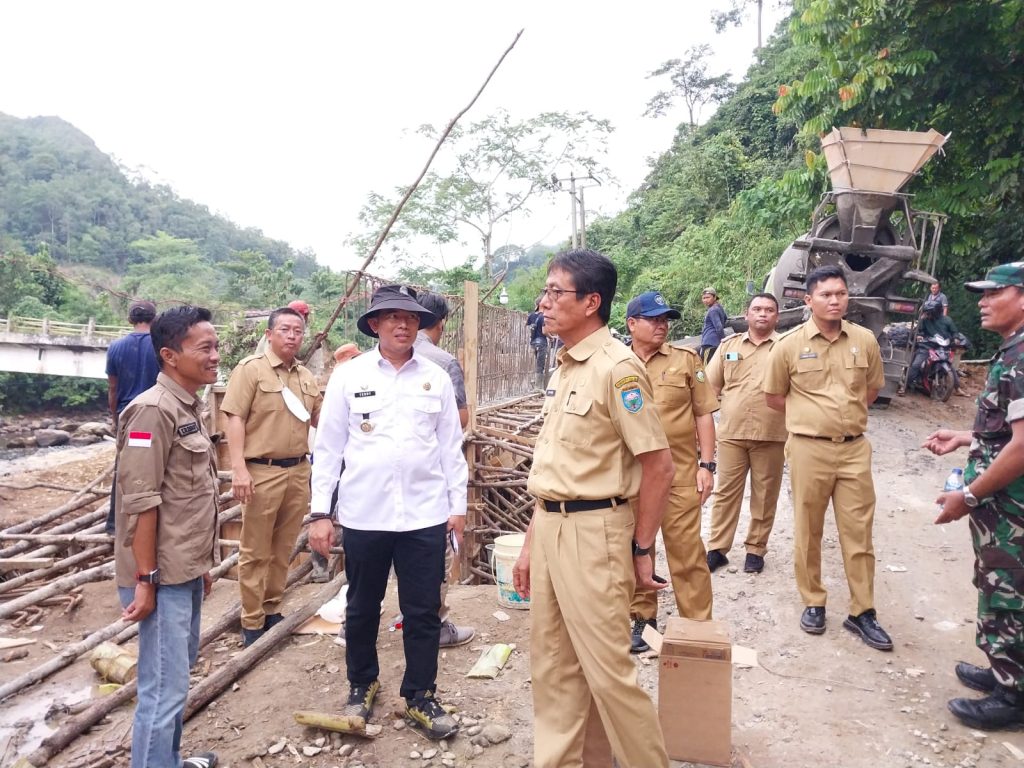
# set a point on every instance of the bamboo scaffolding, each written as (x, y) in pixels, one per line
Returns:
(59, 566)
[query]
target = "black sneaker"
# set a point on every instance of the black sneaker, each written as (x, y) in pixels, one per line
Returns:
(425, 713)
(360, 700)
(202, 760)
(753, 563)
(270, 620)
(716, 559)
(637, 644)
(250, 636)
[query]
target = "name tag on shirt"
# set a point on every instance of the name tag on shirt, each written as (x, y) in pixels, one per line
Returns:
(369, 393)
(188, 429)
(550, 393)
(808, 355)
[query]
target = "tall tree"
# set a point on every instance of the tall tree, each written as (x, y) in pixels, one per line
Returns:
(500, 167)
(691, 83)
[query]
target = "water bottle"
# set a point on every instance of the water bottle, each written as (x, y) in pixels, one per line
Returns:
(955, 482)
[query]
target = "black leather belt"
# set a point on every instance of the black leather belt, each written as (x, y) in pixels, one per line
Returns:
(582, 505)
(283, 463)
(842, 439)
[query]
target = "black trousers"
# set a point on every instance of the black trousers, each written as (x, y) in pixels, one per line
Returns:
(418, 557)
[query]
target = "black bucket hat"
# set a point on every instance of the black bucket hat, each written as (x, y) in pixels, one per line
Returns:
(394, 297)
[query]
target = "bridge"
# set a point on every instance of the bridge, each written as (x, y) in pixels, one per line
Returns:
(56, 348)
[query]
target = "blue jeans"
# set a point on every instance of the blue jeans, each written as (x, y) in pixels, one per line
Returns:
(168, 647)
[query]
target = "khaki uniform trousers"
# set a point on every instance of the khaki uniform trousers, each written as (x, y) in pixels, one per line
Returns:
(687, 560)
(270, 525)
(586, 700)
(820, 470)
(764, 460)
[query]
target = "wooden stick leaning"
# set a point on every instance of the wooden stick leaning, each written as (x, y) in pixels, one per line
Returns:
(319, 339)
(58, 587)
(80, 499)
(61, 565)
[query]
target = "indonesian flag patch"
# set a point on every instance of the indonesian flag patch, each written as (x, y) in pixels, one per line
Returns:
(140, 439)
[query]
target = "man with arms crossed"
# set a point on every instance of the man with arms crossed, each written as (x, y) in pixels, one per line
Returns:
(993, 497)
(587, 547)
(685, 402)
(167, 530)
(823, 375)
(751, 437)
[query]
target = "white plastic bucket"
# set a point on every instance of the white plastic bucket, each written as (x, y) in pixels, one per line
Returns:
(503, 559)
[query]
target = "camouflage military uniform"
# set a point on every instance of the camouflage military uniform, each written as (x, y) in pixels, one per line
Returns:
(997, 524)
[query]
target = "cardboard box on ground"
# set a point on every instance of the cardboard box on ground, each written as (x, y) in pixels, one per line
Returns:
(695, 691)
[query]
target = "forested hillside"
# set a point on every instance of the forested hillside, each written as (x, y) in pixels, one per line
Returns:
(720, 205)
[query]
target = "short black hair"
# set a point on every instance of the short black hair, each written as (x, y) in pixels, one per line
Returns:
(138, 315)
(591, 272)
(172, 325)
(434, 303)
(272, 321)
(827, 272)
(763, 296)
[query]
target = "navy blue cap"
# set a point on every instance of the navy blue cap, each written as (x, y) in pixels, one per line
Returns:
(651, 304)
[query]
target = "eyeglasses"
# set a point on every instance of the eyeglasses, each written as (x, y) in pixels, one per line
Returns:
(656, 320)
(556, 293)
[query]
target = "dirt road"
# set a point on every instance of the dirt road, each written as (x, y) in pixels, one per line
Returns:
(813, 701)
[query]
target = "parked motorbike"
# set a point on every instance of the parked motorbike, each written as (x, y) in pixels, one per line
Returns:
(937, 379)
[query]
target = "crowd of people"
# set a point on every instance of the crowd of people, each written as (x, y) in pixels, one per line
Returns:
(628, 446)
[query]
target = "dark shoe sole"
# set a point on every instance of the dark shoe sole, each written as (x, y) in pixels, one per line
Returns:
(867, 640)
(752, 569)
(812, 630)
(969, 680)
(982, 725)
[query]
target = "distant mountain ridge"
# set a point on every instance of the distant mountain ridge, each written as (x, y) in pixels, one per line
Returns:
(57, 188)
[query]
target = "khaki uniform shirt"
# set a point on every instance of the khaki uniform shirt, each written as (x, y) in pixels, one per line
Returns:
(254, 394)
(737, 371)
(681, 392)
(598, 416)
(166, 462)
(825, 383)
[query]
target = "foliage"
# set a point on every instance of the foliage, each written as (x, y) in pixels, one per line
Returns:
(691, 83)
(22, 392)
(500, 167)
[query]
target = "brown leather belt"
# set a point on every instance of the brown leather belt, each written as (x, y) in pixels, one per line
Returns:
(582, 505)
(842, 439)
(283, 463)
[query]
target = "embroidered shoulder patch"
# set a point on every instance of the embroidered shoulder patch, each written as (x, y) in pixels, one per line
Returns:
(626, 380)
(632, 399)
(188, 429)
(140, 439)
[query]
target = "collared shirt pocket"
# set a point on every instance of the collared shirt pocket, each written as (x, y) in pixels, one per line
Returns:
(674, 389)
(196, 452)
(572, 427)
(857, 367)
(310, 392)
(426, 410)
(809, 373)
(268, 396)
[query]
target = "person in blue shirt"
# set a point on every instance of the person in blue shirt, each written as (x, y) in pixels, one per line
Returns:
(131, 370)
(714, 324)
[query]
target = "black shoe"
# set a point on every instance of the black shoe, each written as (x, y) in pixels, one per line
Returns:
(978, 678)
(425, 713)
(1004, 708)
(270, 620)
(637, 644)
(716, 560)
(202, 760)
(870, 631)
(812, 620)
(250, 636)
(360, 700)
(753, 563)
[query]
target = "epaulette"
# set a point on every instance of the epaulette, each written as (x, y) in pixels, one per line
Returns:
(784, 334)
(691, 350)
(247, 358)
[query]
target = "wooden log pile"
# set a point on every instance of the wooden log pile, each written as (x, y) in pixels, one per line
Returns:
(502, 440)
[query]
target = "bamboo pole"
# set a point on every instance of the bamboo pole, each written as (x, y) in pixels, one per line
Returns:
(77, 501)
(82, 521)
(57, 567)
(60, 586)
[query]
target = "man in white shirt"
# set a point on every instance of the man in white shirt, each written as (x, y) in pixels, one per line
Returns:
(391, 416)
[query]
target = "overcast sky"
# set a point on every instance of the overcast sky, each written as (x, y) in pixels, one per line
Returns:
(283, 116)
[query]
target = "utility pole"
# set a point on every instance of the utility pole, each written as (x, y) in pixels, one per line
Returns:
(579, 234)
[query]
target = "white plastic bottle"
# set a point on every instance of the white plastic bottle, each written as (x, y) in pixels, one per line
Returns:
(955, 481)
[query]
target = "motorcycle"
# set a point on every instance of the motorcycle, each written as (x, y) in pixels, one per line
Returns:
(937, 378)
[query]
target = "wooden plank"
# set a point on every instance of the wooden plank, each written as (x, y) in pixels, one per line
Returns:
(9, 564)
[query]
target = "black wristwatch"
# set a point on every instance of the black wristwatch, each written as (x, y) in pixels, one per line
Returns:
(639, 551)
(153, 577)
(710, 466)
